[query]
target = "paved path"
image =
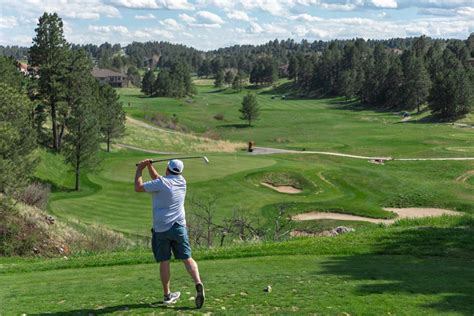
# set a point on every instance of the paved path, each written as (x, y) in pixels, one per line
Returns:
(268, 151)
(145, 150)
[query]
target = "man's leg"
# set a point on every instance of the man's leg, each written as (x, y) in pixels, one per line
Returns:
(165, 276)
(192, 268)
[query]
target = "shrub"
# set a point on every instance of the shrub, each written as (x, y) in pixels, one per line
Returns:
(35, 194)
(219, 116)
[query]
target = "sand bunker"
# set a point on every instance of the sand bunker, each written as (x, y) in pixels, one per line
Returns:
(401, 213)
(282, 188)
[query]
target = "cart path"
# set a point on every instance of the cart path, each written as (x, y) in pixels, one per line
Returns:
(269, 151)
(151, 151)
(411, 212)
(464, 177)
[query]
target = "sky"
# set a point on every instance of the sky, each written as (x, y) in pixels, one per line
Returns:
(211, 24)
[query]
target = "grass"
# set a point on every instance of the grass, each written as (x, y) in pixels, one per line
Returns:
(413, 267)
(324, 124)
(376, 270)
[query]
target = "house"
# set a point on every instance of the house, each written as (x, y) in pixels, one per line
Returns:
(115, 79)
(470, 62)
(24, 68)
(395, 51)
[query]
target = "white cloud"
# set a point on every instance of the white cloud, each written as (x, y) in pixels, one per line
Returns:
(106, 29)
(186, 18)
(154, 4)
(148, 16)
(72, 9)
(392, 4)
(305, 17)
(7, 22)
(238, 15)
(206, 17)
(171, 24)
(254, 28)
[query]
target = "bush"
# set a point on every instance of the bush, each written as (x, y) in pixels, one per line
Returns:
(219, 116)
(35, 194)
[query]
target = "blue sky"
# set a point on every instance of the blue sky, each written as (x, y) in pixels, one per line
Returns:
(210, 24)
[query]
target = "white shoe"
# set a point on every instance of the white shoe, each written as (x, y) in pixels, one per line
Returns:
(171, 298)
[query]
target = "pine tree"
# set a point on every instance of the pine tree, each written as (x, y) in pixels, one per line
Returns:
(250, 109)
(82, 142)
(237, 83)
(49, 54)
(18, 139)
(112, 115)
(162, 85)
(219, 80)
(148, 82)
(293, 68)
(452, 94)
(416, 87)
(229, 77)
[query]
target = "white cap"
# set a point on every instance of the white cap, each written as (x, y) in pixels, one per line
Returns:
(175, 166)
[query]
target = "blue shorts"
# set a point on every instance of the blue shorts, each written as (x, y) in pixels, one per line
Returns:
(175, 239)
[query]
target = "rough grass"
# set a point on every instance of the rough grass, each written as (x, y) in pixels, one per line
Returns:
(172, 141)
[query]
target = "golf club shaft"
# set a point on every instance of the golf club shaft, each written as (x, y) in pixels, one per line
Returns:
(181, 158)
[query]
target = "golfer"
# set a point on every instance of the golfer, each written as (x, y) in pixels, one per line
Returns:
(169, 232)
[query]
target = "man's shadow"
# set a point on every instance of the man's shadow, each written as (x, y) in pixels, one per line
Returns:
(117, 308)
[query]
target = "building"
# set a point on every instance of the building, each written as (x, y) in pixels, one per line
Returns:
(24, 68)
(115, 79)
(470, 61)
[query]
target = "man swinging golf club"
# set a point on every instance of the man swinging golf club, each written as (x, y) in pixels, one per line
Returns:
(169, 232)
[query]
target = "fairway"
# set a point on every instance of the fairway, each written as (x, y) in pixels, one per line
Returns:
(333, 184)
(308, 124)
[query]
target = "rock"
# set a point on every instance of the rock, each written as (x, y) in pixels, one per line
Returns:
(50, 219)
(341, 230)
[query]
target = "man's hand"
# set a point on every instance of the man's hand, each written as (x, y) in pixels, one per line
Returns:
(142, 164)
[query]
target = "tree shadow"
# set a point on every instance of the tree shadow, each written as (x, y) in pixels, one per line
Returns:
(116, 308)
(422, 261)
(234, 126)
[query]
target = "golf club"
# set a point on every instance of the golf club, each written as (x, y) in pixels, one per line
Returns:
(206, 160)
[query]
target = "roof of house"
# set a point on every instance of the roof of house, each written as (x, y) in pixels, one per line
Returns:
(101, 73)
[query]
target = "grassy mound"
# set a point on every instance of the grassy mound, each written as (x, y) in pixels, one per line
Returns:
(283, 178)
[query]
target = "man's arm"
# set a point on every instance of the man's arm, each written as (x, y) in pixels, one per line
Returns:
(152, 171)
(138, 175)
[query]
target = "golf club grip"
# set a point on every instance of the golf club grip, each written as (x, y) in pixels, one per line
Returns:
(136, 165)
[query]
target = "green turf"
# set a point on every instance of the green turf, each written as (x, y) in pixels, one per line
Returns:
(326, 124)
(412, 268)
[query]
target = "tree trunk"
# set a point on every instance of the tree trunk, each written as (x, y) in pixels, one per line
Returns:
(60, 137)
(250, 122)
(108, 144)
(54, 123)
(77, 175)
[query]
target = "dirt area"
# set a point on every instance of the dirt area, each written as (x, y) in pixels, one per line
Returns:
(401, 213)
(282, 188)
(464, 177)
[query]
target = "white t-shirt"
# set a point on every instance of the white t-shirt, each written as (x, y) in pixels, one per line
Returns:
(168, 193)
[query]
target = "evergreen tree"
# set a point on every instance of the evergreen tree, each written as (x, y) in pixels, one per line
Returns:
(148, 82)
(452, 94)
(470, 44)
(392, 85)
(134, 76)
(219, 80)
(49, 54)
(293, 68)
(417, 83)
(162, 86)
(18, 139)
(229, 77)
(250, 109)
(112, 115)
(237, 83)
(82, 142)
(9, 73)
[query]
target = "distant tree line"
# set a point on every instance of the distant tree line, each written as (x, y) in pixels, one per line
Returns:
(436, 73)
